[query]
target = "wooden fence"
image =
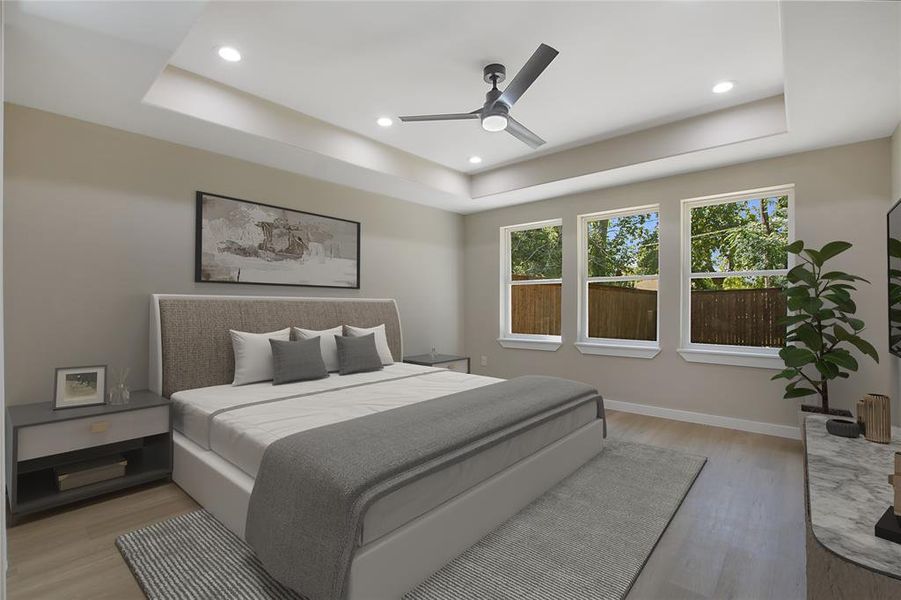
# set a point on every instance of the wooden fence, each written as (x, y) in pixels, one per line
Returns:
(738, 317)
(734, 317)
(535, 309)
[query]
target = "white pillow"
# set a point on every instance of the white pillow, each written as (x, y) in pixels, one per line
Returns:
(381, 340)
(253, 354)
(327, 343)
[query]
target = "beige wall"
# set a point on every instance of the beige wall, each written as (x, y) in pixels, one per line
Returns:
(97, 219)
(841, 193)
(896, 164)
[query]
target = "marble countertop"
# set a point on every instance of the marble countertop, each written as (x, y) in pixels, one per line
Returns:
(849, 491)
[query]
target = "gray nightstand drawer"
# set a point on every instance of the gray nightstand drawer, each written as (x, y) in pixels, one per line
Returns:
(54, 438)
(461, 366)
(451, 362)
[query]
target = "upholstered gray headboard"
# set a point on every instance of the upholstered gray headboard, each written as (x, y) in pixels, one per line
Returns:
(189, 342)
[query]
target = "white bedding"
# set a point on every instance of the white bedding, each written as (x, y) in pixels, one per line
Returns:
(239, 422)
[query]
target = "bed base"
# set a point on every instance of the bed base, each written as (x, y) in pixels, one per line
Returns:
(396, 563)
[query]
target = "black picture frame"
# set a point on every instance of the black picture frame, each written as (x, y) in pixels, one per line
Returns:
(101, 391)
(198, 243)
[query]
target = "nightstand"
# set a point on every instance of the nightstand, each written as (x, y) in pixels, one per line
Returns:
(445, 361)
(40, 440)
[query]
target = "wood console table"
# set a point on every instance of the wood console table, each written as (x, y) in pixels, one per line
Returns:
(846, 491)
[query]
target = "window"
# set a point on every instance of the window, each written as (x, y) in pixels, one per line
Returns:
(619, 282)
(531, 281)
(734, 266)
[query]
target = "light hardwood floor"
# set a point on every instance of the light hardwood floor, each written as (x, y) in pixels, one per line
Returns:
(739, 533)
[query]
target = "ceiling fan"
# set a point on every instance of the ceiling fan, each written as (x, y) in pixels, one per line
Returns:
(495, 113)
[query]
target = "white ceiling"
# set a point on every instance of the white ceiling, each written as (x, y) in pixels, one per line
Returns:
(840, 64)
(161, 25)
(622, 65)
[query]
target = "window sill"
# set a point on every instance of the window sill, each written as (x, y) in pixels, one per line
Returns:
(548, 345)
(738, 358)
(613, 349)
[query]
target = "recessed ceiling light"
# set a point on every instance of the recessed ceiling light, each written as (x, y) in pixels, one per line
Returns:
(723, 86)
(385, 122)
(475, 160)
(230, 54)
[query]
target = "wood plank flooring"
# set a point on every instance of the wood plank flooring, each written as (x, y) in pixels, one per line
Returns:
(739, 534)
(740, 531)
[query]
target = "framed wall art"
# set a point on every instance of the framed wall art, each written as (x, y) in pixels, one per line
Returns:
(239, 241)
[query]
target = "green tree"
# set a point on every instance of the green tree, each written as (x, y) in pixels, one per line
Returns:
(736, 236)
(739, 236)
(623, 246)
(537, 253)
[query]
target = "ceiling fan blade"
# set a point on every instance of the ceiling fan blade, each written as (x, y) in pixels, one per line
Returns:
(530, 71)
(444, 117)
(522, 133)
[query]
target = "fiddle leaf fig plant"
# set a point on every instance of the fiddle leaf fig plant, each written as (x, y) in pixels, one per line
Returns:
(821, 326)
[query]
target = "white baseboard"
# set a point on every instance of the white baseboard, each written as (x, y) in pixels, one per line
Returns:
(783, 431)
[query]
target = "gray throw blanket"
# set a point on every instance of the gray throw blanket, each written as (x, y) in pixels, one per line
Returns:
(314, 487)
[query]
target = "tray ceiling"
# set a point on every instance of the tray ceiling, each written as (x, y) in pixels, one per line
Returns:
(622, 66)
(628, 99)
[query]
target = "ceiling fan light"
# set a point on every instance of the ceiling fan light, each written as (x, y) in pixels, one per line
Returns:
(494, 123)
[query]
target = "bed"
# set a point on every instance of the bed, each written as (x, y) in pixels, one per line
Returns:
(223, 431)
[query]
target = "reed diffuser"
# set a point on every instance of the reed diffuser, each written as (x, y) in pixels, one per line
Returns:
(119, 392)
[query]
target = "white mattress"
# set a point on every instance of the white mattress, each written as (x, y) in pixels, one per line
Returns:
(238, 423)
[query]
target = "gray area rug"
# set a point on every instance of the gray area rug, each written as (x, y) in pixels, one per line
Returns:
(588, 538)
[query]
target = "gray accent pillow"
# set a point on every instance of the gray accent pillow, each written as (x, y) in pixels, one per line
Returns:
(299, 360)
(357, 354)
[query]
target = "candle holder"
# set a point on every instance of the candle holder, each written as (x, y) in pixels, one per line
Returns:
(889, 525)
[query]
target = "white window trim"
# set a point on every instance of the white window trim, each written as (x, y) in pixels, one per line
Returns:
(531, 342)
(638, 349)
(742, 356)
(508, 339)
(611, 346)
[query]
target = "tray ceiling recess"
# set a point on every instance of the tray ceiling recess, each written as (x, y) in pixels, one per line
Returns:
(627, 91)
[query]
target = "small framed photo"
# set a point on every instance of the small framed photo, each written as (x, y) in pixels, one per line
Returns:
(79, 386)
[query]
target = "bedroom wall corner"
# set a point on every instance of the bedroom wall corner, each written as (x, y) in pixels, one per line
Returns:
(3, 539)
(97, 219)
(896, 163)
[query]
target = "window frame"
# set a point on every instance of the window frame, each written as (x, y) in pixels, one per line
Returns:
(744, 356)
(524, 341)
(612, 346)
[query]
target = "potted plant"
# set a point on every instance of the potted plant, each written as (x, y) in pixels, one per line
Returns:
(821, 327)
